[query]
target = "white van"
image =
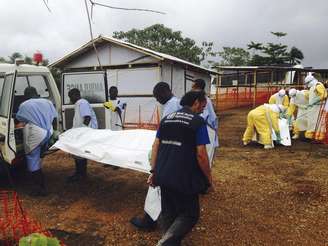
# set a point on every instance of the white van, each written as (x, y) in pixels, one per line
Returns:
(14, 78)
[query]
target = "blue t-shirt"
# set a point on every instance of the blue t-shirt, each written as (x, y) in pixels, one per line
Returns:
(171, 106)
(202, 137)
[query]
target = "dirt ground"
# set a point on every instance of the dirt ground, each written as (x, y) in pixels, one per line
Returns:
(261, 197)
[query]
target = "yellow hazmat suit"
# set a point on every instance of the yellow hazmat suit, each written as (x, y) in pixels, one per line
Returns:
(317, 95)
(276, 99)
(261, 119)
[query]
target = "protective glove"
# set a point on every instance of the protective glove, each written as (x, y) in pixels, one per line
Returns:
(54, 137)
(282, 115)
(109, 105)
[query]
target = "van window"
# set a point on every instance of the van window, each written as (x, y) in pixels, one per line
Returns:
(37, 81)
(6, 95)
(20, 85)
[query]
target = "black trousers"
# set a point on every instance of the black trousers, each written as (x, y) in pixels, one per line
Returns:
(180, 213)
(81, 166)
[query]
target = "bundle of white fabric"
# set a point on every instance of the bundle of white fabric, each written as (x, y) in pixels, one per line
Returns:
(127, 149)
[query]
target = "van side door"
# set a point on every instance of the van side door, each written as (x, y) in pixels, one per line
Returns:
(7, 125)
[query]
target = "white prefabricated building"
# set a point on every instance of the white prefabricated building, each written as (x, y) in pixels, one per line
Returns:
(133, 69)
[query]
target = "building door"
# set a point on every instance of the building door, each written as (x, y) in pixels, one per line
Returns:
(93, 88)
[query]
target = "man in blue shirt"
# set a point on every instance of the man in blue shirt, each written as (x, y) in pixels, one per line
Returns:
(208, 114)
(38, 116)
(170, 103)
(180, 166)
(84, 116)
(165, 97)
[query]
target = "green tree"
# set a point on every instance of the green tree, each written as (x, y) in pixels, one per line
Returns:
(255, 47)
(28, 60)
(279, 34)
(295, 56)
(163, 39)
(207, 54)
(234, 56)
(45, 62)
(2, 60)
(14, 56)
(274, 53)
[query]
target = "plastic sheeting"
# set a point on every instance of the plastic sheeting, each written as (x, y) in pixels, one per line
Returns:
(126, 149)
(284, 133)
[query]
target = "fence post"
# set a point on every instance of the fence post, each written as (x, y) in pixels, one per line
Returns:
(255, 86)
(237, 87)
(218, 82)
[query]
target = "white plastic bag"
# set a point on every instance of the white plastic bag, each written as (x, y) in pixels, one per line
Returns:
(153, 204)
(284, 133)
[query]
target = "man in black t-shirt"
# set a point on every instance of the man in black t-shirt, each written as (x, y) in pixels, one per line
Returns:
(180, 166)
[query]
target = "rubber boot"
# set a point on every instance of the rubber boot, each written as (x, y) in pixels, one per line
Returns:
(80, 171)
(268, 146)
(39, 182)
(144, 223)
(83, 168)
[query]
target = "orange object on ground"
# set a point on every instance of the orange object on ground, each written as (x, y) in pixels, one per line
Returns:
(14, 221)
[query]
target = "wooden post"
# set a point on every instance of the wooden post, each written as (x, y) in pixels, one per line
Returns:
(255, 88)
(139, 115)
(271, 82)
(250, 89)
(291, 77)
(218, 83)
(237, 87)
(245, 84)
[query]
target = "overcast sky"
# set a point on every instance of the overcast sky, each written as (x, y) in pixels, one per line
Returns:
(27, 25)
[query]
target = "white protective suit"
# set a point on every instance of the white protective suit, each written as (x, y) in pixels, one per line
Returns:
(299, 100)
(317, 95)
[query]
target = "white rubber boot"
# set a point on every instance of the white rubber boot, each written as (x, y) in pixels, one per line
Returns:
(268, 146)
